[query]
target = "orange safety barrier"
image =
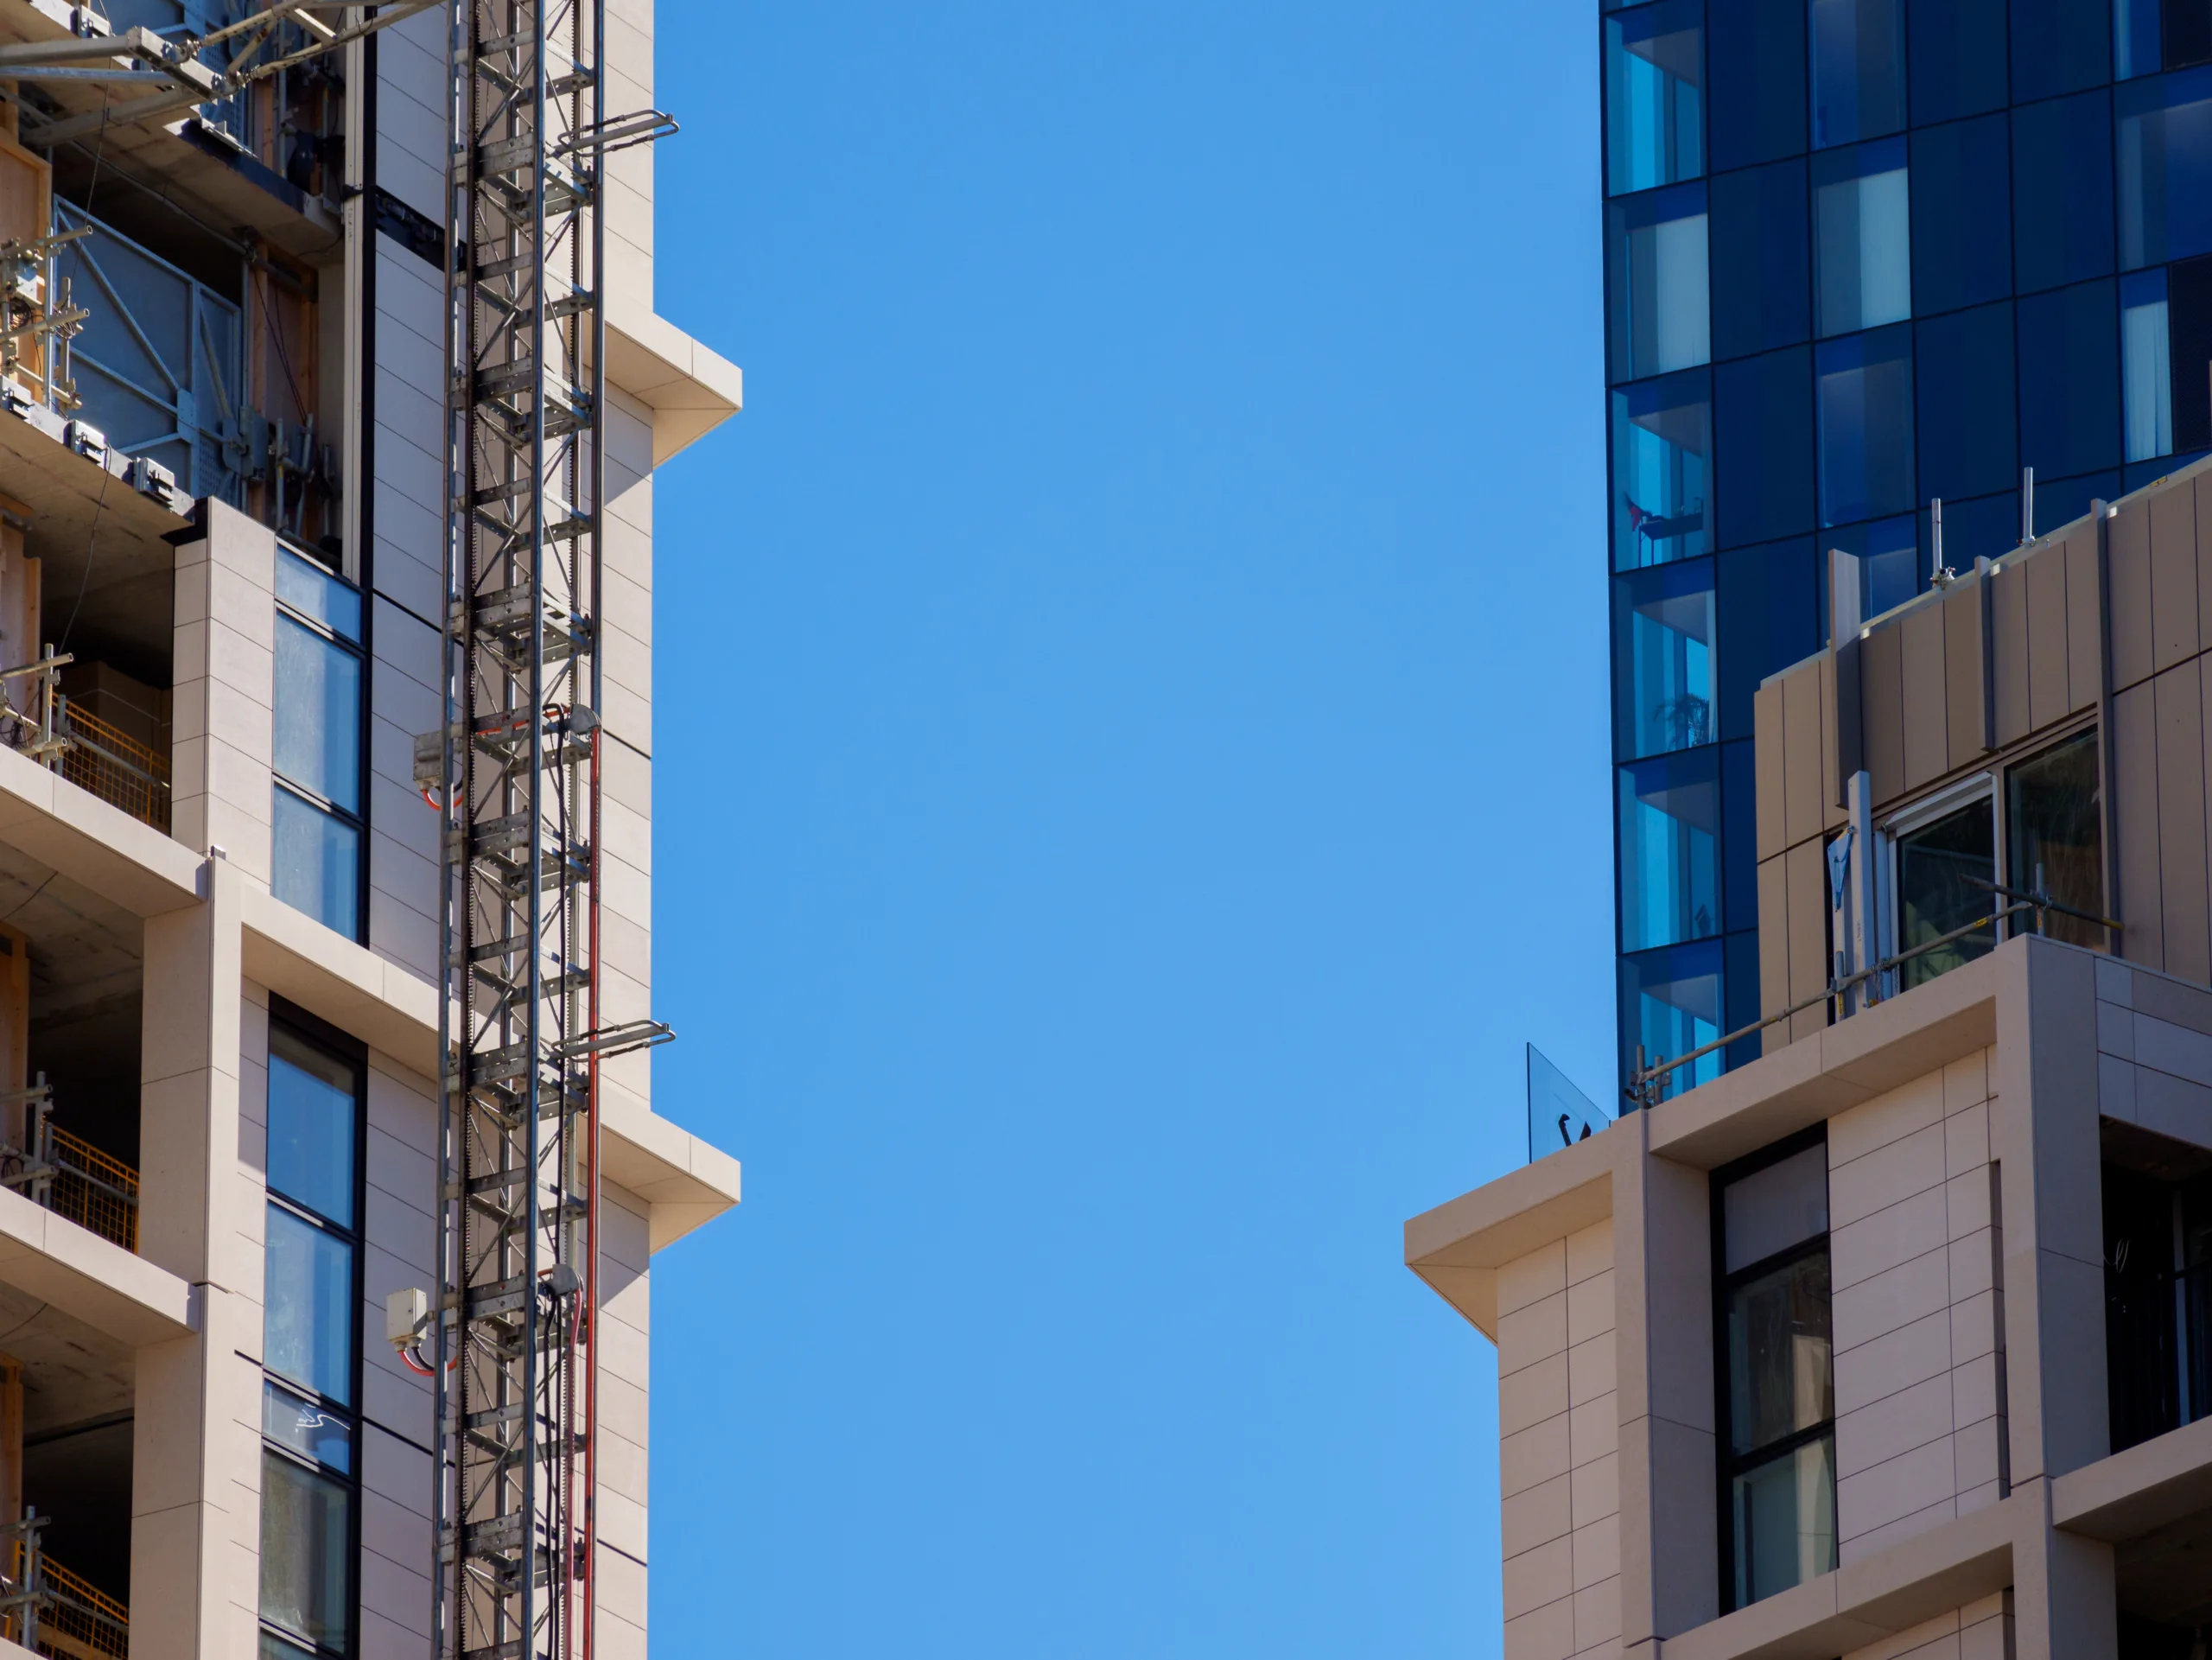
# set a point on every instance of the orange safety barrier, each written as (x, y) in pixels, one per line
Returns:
(78, 1622)
(94, 1190)
(120, 770)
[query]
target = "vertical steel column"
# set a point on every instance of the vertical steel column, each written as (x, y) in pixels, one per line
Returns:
(520, 814)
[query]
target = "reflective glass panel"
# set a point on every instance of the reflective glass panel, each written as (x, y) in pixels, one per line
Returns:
(1764, 425)
(1958, 58)
(2069, 381)
(1670, 849)
(1961, 215)
(1663, 684)
(2062, 191)
(1761, 274)
(1663, 488)
(2054, 825)
(2184, 32)
(1755, 54)
(1987, 526)
(1939, 870)
(1864, 395)
(2059, 46)
(316, 594)
(1770, 617)
(306, 1535)
(1661, 308)
(317, 862)
(1559, 1115)
(1779, 1377)
(1764, 1214)
(318, 714)
(1655, 64)
(307, 1328)
(2134, 39)
(1784, 1521)
(1862, 238)
(1888, 552)
(312, 1125)
(2189, 342)
(312, 1431)
(1672, 1004)
(1963, 385)
(1857, 64)
(2165, 144)
(2146, 368)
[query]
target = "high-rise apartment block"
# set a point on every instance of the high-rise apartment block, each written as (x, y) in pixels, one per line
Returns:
(1862, 256)
(330, 393)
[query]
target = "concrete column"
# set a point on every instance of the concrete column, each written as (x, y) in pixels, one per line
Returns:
(196, 1483)
(222, 727)
(2063, 1601)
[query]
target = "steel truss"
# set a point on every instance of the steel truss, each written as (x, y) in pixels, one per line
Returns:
(517, 778)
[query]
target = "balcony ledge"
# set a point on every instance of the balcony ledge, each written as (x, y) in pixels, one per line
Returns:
(690, 388)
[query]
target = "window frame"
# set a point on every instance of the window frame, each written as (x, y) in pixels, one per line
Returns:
(358, 649)
(1729, 1465)
(341, 1046)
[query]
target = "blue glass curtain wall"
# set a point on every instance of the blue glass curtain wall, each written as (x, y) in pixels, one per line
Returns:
(1860, 253)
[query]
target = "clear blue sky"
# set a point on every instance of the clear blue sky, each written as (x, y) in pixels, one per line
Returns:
(1131, 725)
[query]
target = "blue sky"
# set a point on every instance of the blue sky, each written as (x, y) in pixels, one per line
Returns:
(1131, 725)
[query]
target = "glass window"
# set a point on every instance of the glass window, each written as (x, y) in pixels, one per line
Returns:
(1655, 64)
(1864, 395)
(307, 1335)
(1662, 477)
(2134, 39)
(317, 862)
(1958, 58)
(313, 1122)
(2061, 501)
(1559, 1115)
(1961, 216)
(2059, 46)
(1941, 869)
(1761, 276)
(1862, 238)
(1670, 849)
(2062, 191)
(2069, 381)
(1739, 837)
(2165, 168)
(1671, 1004)
(312, 1430)
(318, 714)
(1778, 1441)
(1888, 552)
(1663, 659)
(1764, 422)
(1963, 383)
(2146, 380)
(2185, 35)
(1984, 527)
(1857, 62)
(1769, 615)
(306, 1537)
(307, 587)
(1755, 57)
(2189, 337)
(1661, 310)
(2054, 837)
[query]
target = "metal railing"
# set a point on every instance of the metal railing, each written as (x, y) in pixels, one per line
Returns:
(49, 1609)
(38, 720)
(68, 1175)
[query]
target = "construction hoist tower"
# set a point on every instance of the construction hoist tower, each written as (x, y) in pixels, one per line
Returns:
(519, 757)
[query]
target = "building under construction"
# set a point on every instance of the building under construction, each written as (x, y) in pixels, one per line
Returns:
(331, 391)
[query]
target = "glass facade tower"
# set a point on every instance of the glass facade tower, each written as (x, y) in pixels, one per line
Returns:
(1860, 255)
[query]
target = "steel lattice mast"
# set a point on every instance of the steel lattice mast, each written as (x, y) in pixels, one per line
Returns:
(520, 797)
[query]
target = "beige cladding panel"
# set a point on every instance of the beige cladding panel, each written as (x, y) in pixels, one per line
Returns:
(1802, 717)
(2048, 684)
(1980, 1630)
(1926, 716)
(2008, 616)
(2177, 709)
(2084, 620)
(1774, 948)
(1963, 663)
(1881, 687)
(1835, 720)
(2127, 544)
(2135, 785)
(1768, 752)
(2202, 489)
(1806, 876)
(2174, 595)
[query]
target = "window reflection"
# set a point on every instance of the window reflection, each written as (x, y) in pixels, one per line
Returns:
(2145, 365)
(1670, 849)
(1661, 312)
(1655, 64)
(2134, 39)
(2069, 383)
(2054, 837)
(1864, 400)
(1943, 870)
(1862, 238)
(1663, 675)
(2062, 191)
(1858, 69)
(1672, 1004)
(2165, 168)
(1663, 441)
(1888, 552)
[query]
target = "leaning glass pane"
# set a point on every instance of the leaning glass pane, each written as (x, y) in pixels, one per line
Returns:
(1944, 871)
(1858, 69)
(1662, 490)
(312, 1431)
(2054, 818)
(1655, 64)
(1770, 1210)
(2146, 365)
(1862, 238)
(2165, 166)
(1661, 305)
(307, 1328)
(312, 1121)
(306, 1534)
(1663, 659)
(1672, 1004)
(318, 715)
(1670, 849)
(1780, 1377)
(1863, 397)
(317, 863)
(314, 592)
(1784, 1516)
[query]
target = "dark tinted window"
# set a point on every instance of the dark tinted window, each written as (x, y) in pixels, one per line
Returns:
(1858, 69)
(1958, 58)
(2061, 501)
(1863, 386)
(1770, 609)
(1756, 72)
(2062, 191)
(1888, 552)
(2054, 837)
(2186, 32)
(2188, 324)
(1981, 529)
(1740, 838)
(1964, 382)
(2165, 128)
(1764, 431)
(2059, 46)
(2069, 380)
(1760, 290)
(1961, 223)
(1943, 870)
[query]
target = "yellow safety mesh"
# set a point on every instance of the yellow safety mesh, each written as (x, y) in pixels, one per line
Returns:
(98, 764)
(91, 1206)
(78, 1622)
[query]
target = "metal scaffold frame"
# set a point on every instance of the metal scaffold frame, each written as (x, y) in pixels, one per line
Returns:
(520, 809)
